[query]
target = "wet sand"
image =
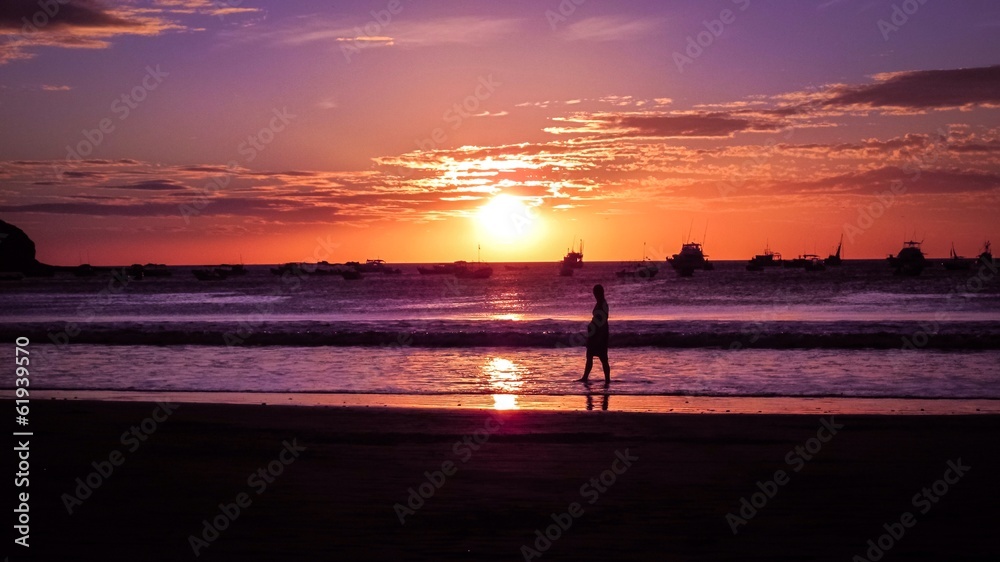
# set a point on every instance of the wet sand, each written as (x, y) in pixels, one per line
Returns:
(332, 476)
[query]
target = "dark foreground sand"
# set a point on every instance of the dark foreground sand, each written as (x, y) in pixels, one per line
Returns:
(334, 501)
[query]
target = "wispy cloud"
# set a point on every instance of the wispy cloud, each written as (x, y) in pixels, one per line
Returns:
(457, 30)
(609, 28)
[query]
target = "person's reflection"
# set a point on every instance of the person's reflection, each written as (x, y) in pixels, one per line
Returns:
(605, 397)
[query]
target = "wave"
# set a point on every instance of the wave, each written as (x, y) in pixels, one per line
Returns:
(534, 334)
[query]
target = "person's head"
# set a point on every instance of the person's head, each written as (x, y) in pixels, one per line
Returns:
(599, 292)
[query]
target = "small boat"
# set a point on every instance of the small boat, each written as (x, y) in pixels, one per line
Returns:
(690, 258)
(443, 268)
(805, 261)
(645, 269)
(834, 259)
(374, 266)
(910, 260)
(767, 259)
(957, 262)
(573, 259)
(986, 258)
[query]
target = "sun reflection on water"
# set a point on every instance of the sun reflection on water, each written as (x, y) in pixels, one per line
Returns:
(505, 377)
(505, 402)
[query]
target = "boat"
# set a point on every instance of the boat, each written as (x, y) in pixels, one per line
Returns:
(767, 259)
(443, 268)
(809, 262)
(986, 258)
(834, 259)
(573, 259)
(645, 269)
(957, 262)
(814, 264)
(135, 272)
(477, 271)
(374, 266)
(690, 258)
(910, 260)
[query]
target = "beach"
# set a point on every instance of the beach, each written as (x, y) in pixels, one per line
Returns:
(177, 481)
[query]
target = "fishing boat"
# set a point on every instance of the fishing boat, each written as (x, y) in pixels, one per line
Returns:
(767, 259)
(690, 258)
(834, 259)
(477, 271)
(814, 264)
(910, 260)
(573, 259)
(958, 263)
(805, 261)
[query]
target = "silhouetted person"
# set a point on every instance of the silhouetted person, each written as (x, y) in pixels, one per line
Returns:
(597, 337)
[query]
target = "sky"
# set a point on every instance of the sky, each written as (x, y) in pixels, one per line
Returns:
(211, 131)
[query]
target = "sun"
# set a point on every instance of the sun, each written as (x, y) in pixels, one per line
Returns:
(508, 219)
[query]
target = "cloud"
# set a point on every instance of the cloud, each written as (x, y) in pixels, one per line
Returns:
(81, 24)
(149, 185)
(922, 90)
(667, 125)
(51, 88)
(609, 28)
(933, 181)
(207, 7)
(457, 30)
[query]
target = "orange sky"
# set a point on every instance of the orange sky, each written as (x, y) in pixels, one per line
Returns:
(176, 132)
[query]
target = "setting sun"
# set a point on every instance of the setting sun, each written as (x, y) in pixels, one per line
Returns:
(507, 219)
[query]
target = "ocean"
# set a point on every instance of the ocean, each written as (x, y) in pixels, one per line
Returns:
(850, 331)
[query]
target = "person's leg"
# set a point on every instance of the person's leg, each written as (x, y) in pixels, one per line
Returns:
(588, 367)
(607, 367)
